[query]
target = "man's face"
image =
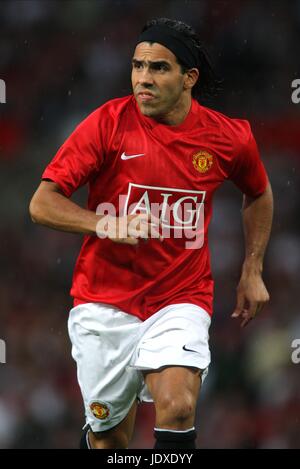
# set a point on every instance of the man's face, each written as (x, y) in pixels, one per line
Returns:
(157, 79)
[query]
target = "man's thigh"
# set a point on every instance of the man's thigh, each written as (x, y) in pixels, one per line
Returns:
(174, 350)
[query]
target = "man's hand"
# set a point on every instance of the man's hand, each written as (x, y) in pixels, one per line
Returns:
(129, 229)
(252, 296)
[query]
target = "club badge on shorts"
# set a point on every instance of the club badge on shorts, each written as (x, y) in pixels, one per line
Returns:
(202, 161)
(99, 410)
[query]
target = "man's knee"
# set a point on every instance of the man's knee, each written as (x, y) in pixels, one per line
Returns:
(111, 439)
(176, 407)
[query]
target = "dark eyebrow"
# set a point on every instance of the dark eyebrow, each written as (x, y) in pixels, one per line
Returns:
(155, 62)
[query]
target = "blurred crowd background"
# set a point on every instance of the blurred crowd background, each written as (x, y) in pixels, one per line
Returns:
(61, 60)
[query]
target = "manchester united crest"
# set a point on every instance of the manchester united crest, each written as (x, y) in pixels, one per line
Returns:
(202, 161)
(99, 410)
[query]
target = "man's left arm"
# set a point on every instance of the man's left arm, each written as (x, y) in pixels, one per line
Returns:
(252, 294)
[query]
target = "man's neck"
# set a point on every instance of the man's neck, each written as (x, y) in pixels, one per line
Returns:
(178, 113)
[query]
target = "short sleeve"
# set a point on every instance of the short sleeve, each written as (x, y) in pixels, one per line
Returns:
(249, 173)
(79, 158)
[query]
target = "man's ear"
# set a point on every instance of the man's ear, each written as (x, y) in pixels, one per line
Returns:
(191, 78)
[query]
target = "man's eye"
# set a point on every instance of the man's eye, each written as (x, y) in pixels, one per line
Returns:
(160, 68)
(136, 65)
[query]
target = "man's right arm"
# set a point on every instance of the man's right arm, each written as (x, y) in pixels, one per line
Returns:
(50, 207)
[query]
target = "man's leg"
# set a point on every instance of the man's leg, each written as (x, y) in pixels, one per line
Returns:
(174, 390)
(118, 437)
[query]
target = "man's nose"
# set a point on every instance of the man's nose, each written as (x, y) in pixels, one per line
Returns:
(145, 77)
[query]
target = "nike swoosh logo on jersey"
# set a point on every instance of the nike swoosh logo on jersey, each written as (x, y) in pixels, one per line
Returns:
(128, 157)
(189, 350)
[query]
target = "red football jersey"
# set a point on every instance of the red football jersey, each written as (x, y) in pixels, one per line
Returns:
(120, 152)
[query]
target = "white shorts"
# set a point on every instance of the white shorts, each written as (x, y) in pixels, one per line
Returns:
(111, 348)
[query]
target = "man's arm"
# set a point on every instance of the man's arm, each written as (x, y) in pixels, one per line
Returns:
(252, 294)
(50, 207)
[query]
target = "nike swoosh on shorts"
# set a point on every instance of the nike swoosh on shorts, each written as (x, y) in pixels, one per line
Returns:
(189, 350)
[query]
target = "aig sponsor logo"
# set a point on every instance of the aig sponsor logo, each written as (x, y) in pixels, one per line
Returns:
(180, 211)
(2, 351)
(2, 92)
(177, 209)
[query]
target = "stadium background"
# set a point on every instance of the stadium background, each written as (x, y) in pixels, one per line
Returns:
(61, 60)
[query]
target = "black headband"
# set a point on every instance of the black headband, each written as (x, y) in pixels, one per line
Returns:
(176, 42)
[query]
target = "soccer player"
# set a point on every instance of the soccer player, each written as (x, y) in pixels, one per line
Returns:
(142, 295)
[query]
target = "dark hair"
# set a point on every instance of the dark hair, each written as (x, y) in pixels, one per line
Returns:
(208, 83)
